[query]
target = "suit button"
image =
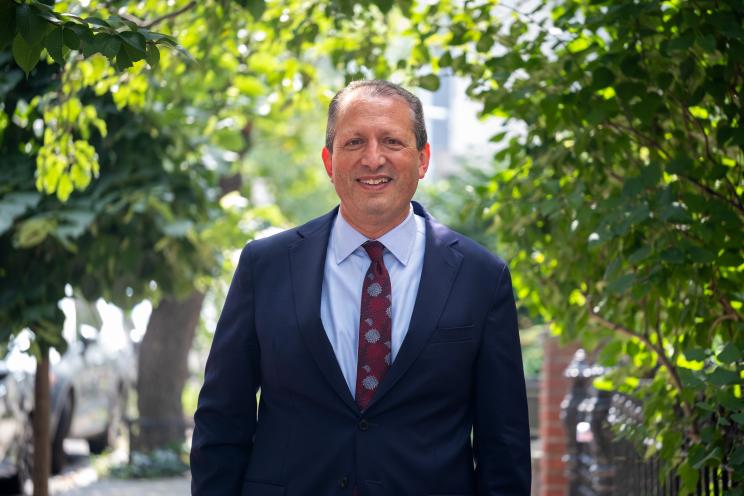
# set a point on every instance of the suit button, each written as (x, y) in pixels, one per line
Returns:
(343, 482)
(363, 425)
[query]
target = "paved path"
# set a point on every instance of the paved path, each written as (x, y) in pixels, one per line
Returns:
(81, 479)
(151, 487)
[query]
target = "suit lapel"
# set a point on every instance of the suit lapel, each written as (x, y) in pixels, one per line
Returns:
(307, 260)
(441, 263)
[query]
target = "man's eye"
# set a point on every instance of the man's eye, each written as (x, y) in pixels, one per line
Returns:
(354, 142)
(393, 142)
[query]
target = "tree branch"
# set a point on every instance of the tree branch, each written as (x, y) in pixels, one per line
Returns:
(699, 125)
(641, 137)
(712, 192)
(724, 302)
(170, 15)
(660, 353)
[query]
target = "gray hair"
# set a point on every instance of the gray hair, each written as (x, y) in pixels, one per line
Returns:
(378, 88)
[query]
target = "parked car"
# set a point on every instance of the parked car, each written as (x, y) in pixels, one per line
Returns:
(90, 382)
(16, 447)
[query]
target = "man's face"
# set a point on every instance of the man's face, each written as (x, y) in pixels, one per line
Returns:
(375, 165)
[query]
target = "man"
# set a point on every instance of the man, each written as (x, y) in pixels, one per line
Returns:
(379, 340)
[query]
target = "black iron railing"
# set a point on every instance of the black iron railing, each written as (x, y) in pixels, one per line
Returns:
(598, 464)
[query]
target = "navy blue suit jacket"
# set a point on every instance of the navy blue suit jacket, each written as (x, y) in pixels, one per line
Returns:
(459, 369)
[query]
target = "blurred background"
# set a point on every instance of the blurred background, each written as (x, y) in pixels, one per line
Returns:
(597, 146)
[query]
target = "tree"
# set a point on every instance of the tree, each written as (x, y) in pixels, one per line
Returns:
(94, 240)
(621, 206)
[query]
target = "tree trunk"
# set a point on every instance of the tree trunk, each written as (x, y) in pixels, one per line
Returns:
(163, 370)
(42, 443)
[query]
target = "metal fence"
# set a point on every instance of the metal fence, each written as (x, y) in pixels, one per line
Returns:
(599, 465)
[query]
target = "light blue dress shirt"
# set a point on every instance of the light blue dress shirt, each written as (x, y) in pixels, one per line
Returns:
(346, 264)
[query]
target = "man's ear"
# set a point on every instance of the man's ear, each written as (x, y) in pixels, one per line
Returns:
(328, 162)
(424, 156)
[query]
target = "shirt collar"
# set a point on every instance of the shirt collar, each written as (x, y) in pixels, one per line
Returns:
(398, 241)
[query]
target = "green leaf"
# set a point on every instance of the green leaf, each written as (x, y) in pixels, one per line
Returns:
(680, 165)
(696, 354)
(133, 54)
(134, 40)
(621, 284)
(70, 38)
(429, 82)
(25, 55)
(706, 406)
(13, 205)
(445, 60)
(707, 43)
(485, 42)
(730, 353)
(153, 55)
(726, 398)
(33, 231)
(602, 77)
(689, 476)
(108, 45)
(7, 23)
(95, 21)
(85, 36)
(681, 43)
(737, 455)
(699, 456)
(738, 418)
(30, 24)
(690, 379)
(76, 222)
(723, 377)
(673, 256)
(629, 90)
(384, 5)
(610, 353)
(639, 255)
(123, 61)
(257, 8)
(53, 45)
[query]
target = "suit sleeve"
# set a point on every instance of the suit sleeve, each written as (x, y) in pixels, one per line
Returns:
(225, 419)
(501, 439)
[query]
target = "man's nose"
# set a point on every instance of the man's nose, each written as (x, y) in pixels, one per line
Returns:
(373, 156)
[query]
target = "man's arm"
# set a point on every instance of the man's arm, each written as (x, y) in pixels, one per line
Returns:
(225, 419)
(501, 437)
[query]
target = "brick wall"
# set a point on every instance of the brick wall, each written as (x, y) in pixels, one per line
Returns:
(553, 387)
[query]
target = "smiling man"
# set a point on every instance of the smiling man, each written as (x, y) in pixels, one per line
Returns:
(385, 345)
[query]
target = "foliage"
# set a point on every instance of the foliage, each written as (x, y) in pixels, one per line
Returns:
(34, 28)
(621, 206)
(132, 226)
(163, 462)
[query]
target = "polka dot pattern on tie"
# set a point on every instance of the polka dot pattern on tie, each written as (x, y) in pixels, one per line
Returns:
(375, 327)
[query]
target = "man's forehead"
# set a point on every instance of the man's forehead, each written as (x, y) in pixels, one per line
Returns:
(359, 97)
(366, 95)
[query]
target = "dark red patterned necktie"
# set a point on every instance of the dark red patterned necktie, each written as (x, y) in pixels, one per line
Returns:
(375, 326)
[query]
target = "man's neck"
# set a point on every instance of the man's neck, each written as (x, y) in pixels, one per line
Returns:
(374, 231)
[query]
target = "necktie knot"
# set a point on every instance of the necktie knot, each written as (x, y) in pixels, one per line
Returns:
(374, 249)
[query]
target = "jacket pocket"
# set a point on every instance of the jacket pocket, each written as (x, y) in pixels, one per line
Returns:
(452, 334)
(256, 488)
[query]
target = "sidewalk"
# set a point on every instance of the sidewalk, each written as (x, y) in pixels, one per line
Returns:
(150, 487)
(81, 479)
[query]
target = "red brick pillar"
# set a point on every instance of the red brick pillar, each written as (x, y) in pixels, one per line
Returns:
(553, 388)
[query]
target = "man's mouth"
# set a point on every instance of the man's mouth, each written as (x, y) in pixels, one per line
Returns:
(375, 181)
